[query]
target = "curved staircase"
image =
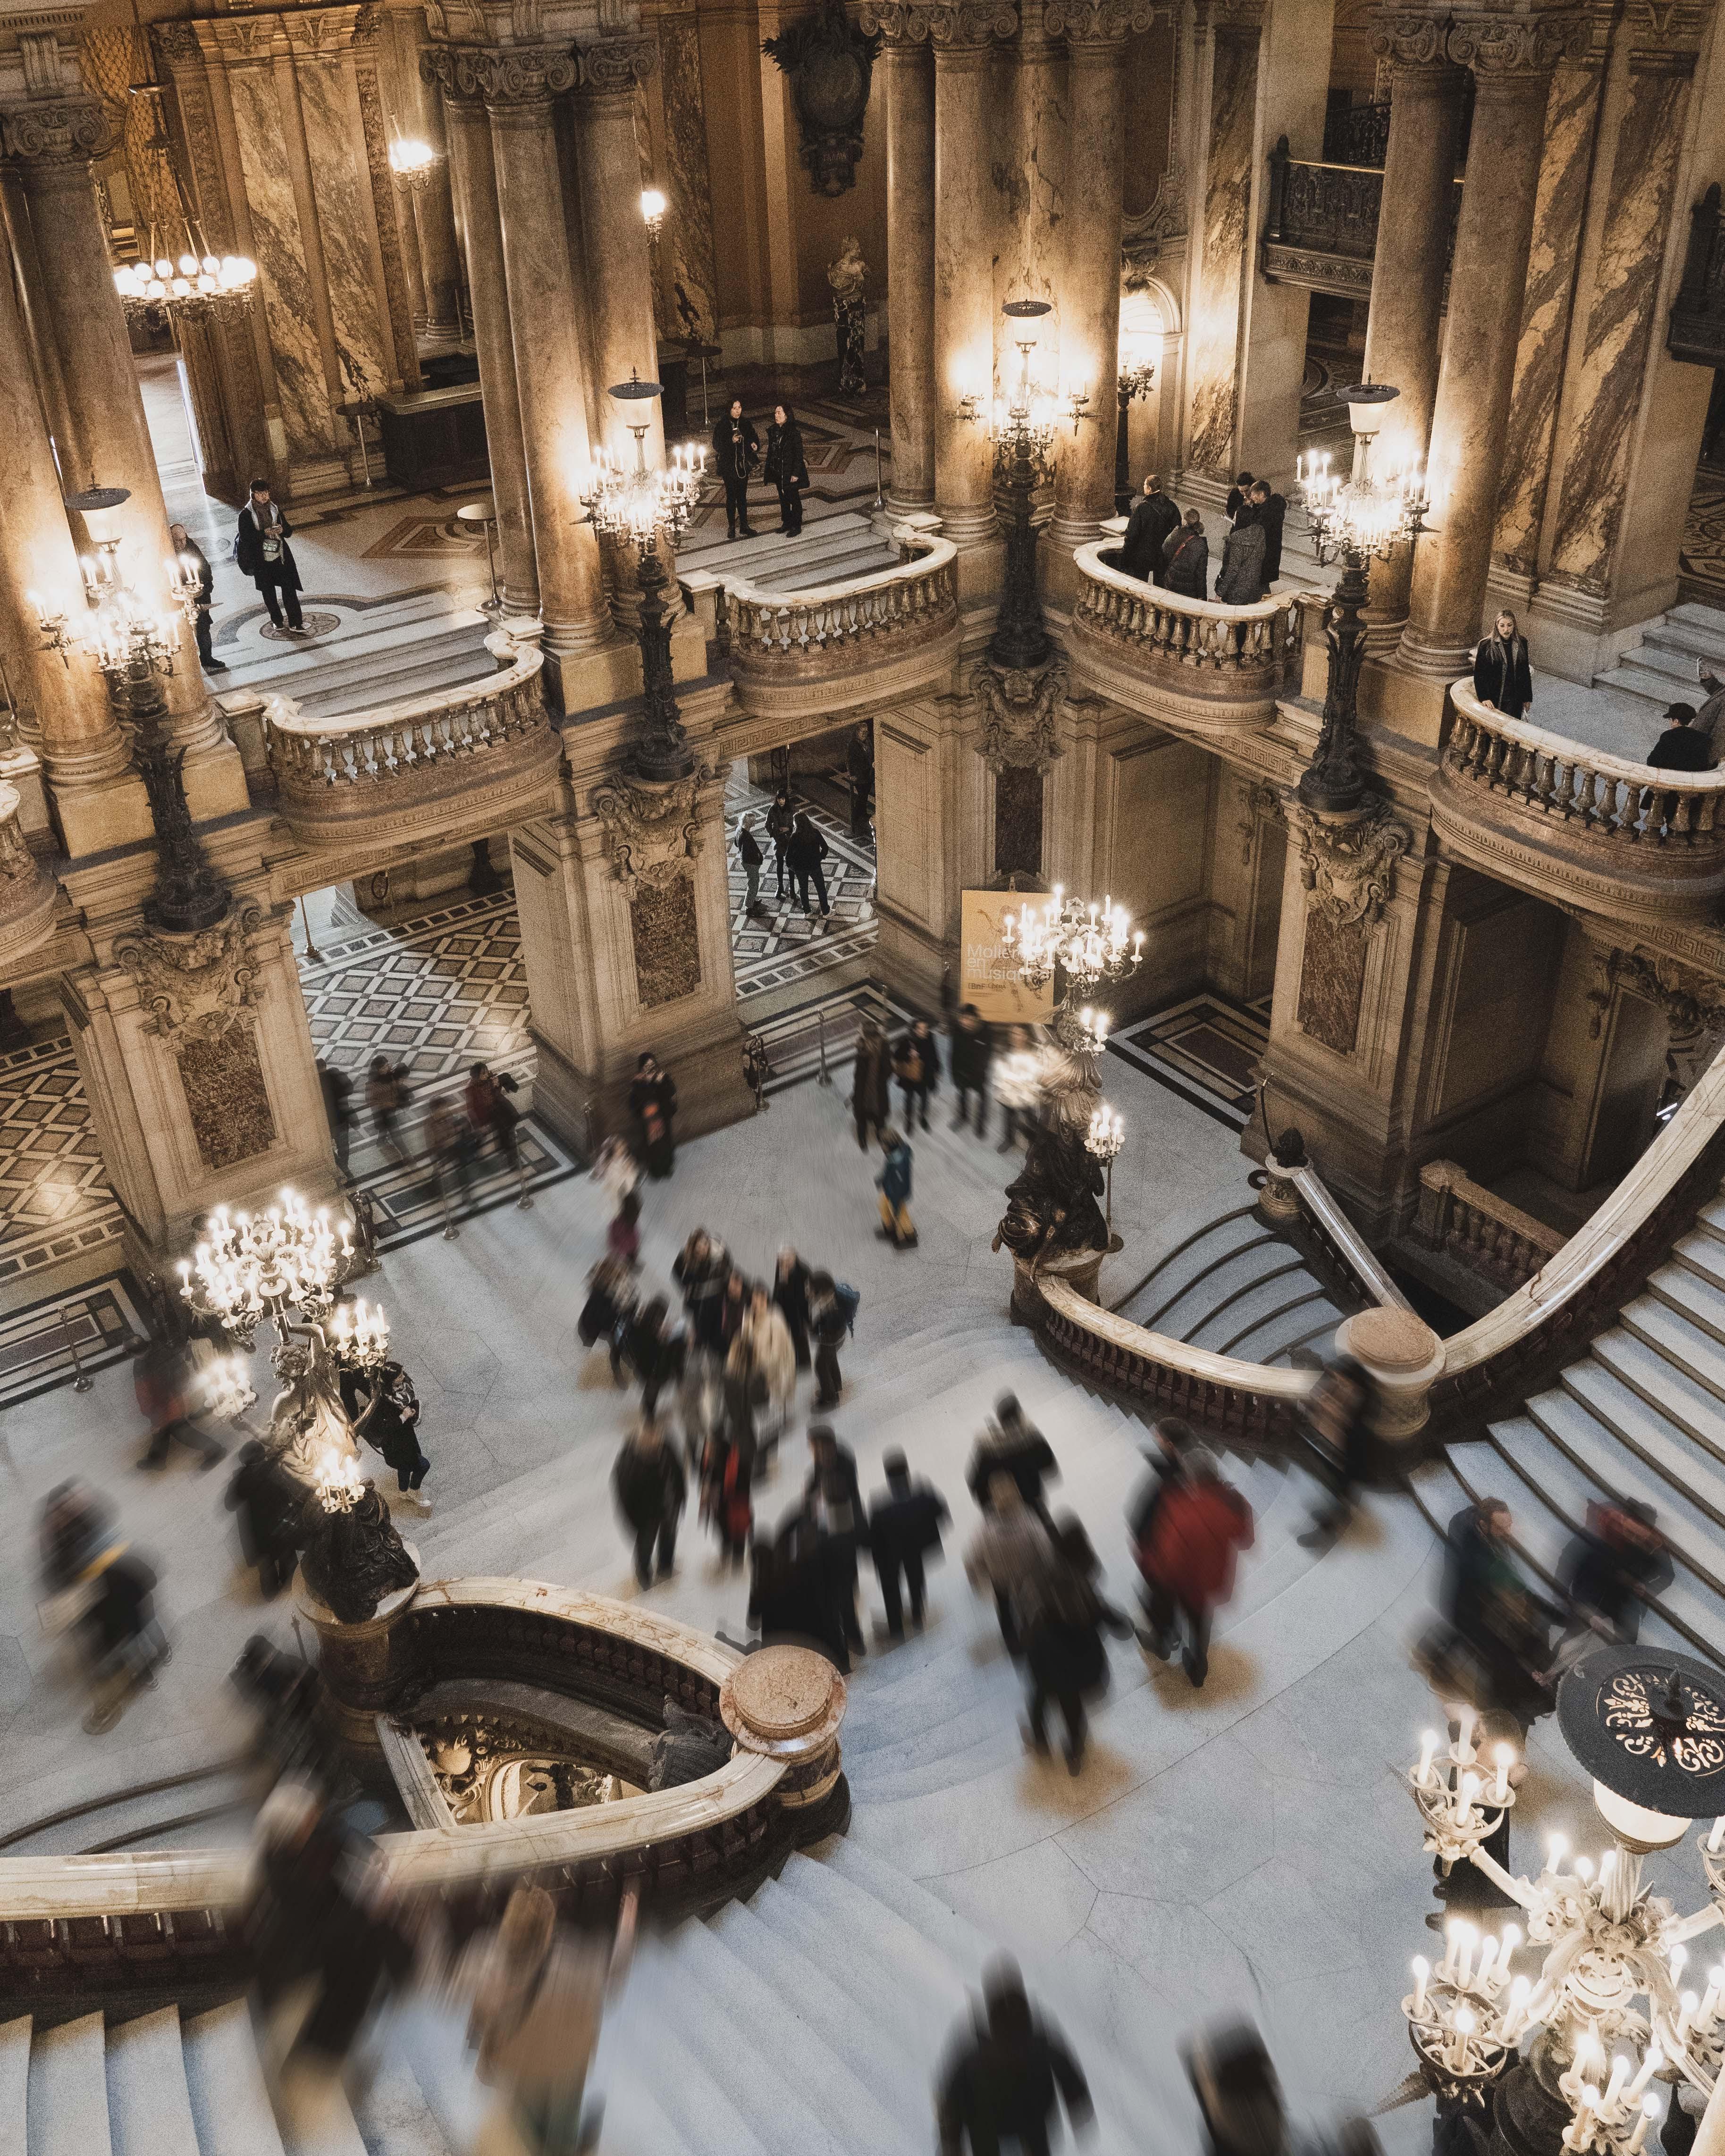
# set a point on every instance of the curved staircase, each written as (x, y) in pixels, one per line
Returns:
(1236, 1288)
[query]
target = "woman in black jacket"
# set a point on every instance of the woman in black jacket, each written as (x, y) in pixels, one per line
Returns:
(803, 856)
(736, 446)
(781, 823)
(1503, 679)
(785, 467)
(194, 559)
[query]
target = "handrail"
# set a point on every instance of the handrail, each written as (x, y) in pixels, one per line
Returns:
(1207, 634)
(1458, 1214)
(912, 593)
(1611, 797)
(515, 646)
(1344, 1240)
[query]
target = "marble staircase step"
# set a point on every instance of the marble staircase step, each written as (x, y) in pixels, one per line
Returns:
(1702, 1251)
(14, 2085)
(1656, 690)
(1688, 1462)
(68, 2099)
(1681, 1399)
(319, 2123)
(225, 2083)
(316, 668)
(431, 2038)
(1656, 1467)
(1690, 627)
(395, 2118)
(1654, 655)
(1693, 1296)
(635, 2126)
(455, 668)
(701, 2107)
(416, 614)
(149, 2110)
(1681, 1343)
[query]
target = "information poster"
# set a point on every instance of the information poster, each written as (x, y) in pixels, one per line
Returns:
(989, 972)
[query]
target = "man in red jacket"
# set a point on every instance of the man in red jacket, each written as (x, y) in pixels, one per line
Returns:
(1198, 1530)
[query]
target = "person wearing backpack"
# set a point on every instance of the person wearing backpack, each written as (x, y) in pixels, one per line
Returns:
(829, 1319)
(1200, 1526)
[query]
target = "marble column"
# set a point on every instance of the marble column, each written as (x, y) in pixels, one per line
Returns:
(1621, 318)
(1572, 117)
(964, 238)
(909, 90)
(63, 706)
(1095, 32)
(1402, 335)
(1512, 60)
(519, 84)
(619, 270)
(1223, 241)
(473, 177)
(433, 211)
(52, 147)
(1036, 207)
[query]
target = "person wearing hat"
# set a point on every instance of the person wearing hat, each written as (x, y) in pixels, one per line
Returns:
(1681, 747)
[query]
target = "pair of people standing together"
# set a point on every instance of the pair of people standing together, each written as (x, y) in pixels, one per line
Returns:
(736, 449)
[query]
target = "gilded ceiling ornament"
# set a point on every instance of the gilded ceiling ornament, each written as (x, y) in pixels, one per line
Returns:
(1348, 866)
(195, 986)
(1017, 714)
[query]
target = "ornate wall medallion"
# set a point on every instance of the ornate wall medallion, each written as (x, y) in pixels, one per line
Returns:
(831, 65)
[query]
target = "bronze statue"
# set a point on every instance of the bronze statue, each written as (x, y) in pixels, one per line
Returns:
(1051, 1203)
(353, 1557)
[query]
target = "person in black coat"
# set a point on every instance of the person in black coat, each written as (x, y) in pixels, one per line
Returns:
(270, 1503)
(1239, 493)
(652, 1106)
(828, 1325)
(785, 467)
(917, 1066)
(1064, 1618)
(655, 1348)
(1272, 510)
(261, 551)
(871, 1083)
(1153, 520)
(701, 1269)
(389, 1419)
(790, 1592)
(1680, 747)
(790, 1292)
(1186, 559)
(1003, 2077)
(860, 767)
(831, 1496)
(803, 856)
(1011, 1446)
(1503, 679)
(972, 1052)
(1610, 1570)
(736, 449)
(905, 1523)
(780, 824)
(651, 1491)
(192, 558)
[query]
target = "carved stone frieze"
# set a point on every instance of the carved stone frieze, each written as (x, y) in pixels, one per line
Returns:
(1098, 22)
(830, 64)
(616, 66)
(652, 832)
(1508, 48)
(322, 33)
(1692, 1002)
(70, 132)
(195, 987)
(1017, 714)
(1410, 39)
(1348, 864)
(500, 75)
(961, 25)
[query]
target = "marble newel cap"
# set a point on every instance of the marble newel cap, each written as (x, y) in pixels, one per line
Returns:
(784, 1702)
(1391, 1340)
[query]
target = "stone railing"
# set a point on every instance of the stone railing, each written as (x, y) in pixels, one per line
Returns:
(149, 1925)
(887, 634)
(1464, 1220)
(1577, 821)
(1178, 652)
(28, 892)
(413, 767)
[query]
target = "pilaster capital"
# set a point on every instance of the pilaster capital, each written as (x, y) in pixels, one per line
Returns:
(1413, 41)
(1512, 48)
(1666, 35)
(70, 131)
(518, 75)
(615, 66)
(321, 33)
(178, 43)
(241, 40)
(1103, 22)
(948, 25)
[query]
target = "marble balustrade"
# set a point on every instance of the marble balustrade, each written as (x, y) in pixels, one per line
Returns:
(28, 892)
(1132, 639)
(1485, 1232)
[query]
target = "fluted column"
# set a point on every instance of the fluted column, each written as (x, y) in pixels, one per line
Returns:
(473, 179)
(63, 705)
(1228, 32)
(909, 71)
(518, 84)
(1402, 336)
(52, 147)
(964, 260)
(1512, 58)
(1095, 32)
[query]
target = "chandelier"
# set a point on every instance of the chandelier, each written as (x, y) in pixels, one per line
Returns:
(121, 625)
(193, 286)
(639, 505)
(1605, 2015)
(284, 1262)
(1086, 944)
(1374, 511)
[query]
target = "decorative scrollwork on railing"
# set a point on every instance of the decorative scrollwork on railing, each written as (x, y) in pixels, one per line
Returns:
(905, 606)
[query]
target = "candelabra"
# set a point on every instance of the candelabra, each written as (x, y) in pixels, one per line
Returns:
(192, 286)
(1103, 1141)
(1022, 428)
(1603, 2018)
(1084, 946)
(132, 644)
(640, 507)
(1369, 516)
(1130, 383)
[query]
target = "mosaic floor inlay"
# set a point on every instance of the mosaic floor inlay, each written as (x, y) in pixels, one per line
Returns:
(55, 1199)
(783, 945)
(1205, 1049)
(50, 1343)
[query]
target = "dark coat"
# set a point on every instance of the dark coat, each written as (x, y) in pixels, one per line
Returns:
(791, 1294)
(748, 850)
(1239, 580)
(784, 466)
(658, 1357)
(1502, 675)
(911, 1047)
(806, 846)
(1237, 499)
(724, 461)
(248, 554)
(193, 553)
(393, 1425)
(270, 1503)
(781, 822)
(648, 1487)
(1186, 559)
(871, 1082)
(1146, 530)
(906, 1521)
(1681, 748)
(1026, 1455)
(841, 1492)
(1610, 1579)
(971, 1053)
(1271, 516)
(992, 2091)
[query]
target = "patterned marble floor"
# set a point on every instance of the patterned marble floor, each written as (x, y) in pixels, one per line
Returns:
(782, 946)
(1206, 1048)
(1701, 559)
(57, 1204)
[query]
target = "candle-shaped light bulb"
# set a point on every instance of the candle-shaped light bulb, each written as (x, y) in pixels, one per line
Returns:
(1584, 1870)
(1649, 2111)
(1488, 1955)
(1686, 2014)
(1464, 1720)
(1555, 1849)
(1651, 2064)
(1517, 2010)
(1428, 1752)
(1422, 1972)
(1510, 1939)
(1452, 1943)
(1619, 2075)
(1464, 2025)
(1465, 1796)
(1505, 1757)
(1466, 1938)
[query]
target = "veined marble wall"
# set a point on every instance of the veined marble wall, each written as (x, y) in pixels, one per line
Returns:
(693, 295)
(1030, 176)
(1572, 116)
(1620, 320)
(1213, 336)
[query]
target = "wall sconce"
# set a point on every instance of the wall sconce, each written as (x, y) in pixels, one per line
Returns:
(1075, 404)
(654, 205)
(411, 160)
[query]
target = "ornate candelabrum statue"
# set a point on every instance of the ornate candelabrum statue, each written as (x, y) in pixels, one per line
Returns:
(288, 1264)
(847, 277)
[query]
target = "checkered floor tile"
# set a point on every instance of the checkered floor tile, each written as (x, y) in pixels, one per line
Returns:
(53, 1341)
(782, 945)
(55, 1203)
(1206, 1048)
(821, 1033)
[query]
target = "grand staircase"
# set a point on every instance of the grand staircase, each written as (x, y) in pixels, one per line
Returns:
(1236, 1288)
(378, 654)
(829, 550)
(1665, 667)
(1642, 1414)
